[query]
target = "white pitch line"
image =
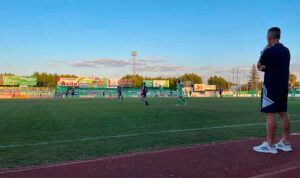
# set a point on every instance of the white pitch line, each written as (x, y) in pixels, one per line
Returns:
(131, 135)
(237, 110)
(295, 133)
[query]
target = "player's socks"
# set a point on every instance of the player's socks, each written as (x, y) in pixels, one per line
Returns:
(178, 102)
(182, 101)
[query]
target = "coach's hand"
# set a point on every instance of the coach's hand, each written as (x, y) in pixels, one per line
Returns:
(260, 67)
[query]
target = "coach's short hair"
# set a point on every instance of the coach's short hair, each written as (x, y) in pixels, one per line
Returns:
(274, 32)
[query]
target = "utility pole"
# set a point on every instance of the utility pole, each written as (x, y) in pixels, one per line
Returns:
(232, 76)
(237, 81)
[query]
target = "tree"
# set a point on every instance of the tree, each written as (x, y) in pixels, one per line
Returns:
(173, 82)
(49, 80)
(191, 77)
(219, 82)
(135, 79)
(292, 80)
(8, 74)
(254, 78)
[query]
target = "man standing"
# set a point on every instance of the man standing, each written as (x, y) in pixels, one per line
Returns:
(119, 93)
(293, 90)
(179, 94)
(161, 92)
(144, 91)
(221, 92)
(275, 62)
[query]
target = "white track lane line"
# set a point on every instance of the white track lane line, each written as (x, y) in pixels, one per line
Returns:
(274, 173)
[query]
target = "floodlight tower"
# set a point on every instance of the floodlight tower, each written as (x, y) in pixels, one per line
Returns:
(133, 55)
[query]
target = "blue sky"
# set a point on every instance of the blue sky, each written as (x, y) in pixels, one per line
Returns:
(95, 37)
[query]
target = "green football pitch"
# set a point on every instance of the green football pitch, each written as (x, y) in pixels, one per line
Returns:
(34, 132)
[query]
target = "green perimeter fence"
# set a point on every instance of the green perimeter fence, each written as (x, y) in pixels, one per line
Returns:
(63, 92)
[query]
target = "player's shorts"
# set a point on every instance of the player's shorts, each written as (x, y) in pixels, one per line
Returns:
(274, 101)
(144, 95)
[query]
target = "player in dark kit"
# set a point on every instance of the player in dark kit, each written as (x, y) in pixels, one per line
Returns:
(119, 93)
(144, 91)
(221, 92)
(275, 62)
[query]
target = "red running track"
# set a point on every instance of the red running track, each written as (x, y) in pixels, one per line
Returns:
(227, 159)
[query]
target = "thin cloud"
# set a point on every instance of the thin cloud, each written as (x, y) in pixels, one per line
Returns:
(152, 60)
(111, 62)
(160, 68)
(210, 68)
(102, 62)
(142, 65)
(115, 62)
(83, 64)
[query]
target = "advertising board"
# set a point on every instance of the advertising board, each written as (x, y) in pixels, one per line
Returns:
(68, 82)
(149, 83)
(163, 83)
(204, 87)
(18, 81)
